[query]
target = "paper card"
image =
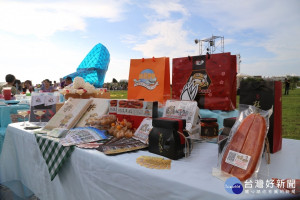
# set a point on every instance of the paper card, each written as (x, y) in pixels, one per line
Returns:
(69, 114)
(51, 100)
(143, 131)
(97, 108)
(238, 159)
(82, 135)
(37, 100)
(187, 110)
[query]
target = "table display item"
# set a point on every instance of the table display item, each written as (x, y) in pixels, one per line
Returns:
(121, 129)
(135, 111)
(69, 114)
(210, 80)
(143, 131)
(121, 145)
(83, 135)
(39, 113)
(240, 158)
(11, 102)
(266, 94)
(17, 117)
(6, 93)
(43, 102)
(228, 123)
(97, 108)
(209, 127)
(149, 79)
(154, 162)
(104, 122)
(91, 145)
(23, 113)
(187, 110)
(58, 132)
(113, 105)
(168, 138)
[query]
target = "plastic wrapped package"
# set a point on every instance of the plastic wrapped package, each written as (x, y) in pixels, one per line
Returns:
(241, 156)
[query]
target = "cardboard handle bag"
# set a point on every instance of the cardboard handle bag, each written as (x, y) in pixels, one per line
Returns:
(149, 79)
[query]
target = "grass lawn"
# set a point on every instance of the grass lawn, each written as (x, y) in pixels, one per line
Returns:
(291, 114)
(290, 111)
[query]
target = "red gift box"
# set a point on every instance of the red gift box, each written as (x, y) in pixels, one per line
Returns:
(134, 111)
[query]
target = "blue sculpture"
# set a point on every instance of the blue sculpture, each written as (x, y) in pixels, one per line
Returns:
(94, 66)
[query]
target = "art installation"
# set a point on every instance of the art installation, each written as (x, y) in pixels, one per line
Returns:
(94, 66)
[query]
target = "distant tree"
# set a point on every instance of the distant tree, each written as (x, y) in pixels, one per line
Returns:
(114, 80)
(293, 81)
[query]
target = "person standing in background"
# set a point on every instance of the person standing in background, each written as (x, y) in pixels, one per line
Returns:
(10, 80)
(287, 86)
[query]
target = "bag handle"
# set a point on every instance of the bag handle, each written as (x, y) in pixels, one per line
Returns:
(188, 149)
(153, 59)
(257, 84)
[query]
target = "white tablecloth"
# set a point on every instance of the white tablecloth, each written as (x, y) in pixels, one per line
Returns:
(89, 174)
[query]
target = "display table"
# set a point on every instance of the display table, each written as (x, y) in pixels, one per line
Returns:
(5, 112)
(89, 174)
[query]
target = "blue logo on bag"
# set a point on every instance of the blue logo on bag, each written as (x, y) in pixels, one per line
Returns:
(147, 79)
(233, 186)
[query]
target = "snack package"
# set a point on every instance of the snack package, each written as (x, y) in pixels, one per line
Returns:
(241, 156)
(135, 111)
(98, 108)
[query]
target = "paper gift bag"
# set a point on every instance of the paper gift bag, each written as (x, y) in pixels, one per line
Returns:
(265, 95)
(149, 79)
(209, 80)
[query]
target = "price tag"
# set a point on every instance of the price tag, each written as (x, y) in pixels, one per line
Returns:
(238, 159)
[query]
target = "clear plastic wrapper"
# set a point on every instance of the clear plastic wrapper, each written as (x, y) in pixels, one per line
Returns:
(241, 156)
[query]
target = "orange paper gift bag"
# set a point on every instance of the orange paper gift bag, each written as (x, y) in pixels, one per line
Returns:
(149, 79)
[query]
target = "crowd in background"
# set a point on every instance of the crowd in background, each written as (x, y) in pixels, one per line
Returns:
(19, 87)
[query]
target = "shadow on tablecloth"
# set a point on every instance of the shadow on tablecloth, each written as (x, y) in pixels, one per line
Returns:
(15, 190)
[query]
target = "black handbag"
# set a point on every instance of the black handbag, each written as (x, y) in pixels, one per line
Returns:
(168, 138)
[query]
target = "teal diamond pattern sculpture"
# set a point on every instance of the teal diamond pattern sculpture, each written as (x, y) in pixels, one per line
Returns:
(94, 66)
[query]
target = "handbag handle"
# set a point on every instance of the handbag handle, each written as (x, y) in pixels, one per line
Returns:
(257, 84)
(188, 149)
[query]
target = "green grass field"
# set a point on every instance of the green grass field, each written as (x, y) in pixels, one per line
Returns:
(290, 112)
(291, 115)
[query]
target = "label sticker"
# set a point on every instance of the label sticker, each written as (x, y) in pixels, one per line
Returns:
(238, 159)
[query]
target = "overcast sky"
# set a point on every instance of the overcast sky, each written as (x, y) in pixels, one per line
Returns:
(42, 39)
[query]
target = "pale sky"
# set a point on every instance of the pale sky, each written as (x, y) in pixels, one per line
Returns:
(42, 39)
